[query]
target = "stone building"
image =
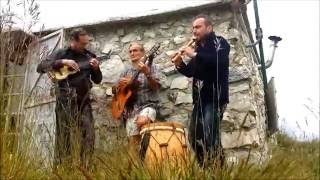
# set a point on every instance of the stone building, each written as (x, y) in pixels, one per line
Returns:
(244, 122)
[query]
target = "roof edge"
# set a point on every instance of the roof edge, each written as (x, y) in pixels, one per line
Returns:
(122, 19)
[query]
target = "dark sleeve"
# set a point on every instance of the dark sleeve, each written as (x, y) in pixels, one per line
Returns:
(53, 61)
(96, 76)
(210, 58)
(186, 70)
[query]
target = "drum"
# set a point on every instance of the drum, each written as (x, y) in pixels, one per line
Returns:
(163, 141)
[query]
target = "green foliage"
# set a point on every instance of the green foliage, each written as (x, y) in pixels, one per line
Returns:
(290, 159)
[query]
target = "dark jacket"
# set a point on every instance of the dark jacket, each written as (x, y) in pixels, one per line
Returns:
(211, 66)
(80, 81)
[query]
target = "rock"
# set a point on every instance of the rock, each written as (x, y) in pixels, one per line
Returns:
(120, 32)
(226, 15)
(223, 28)
(172, 95)
(169, 70)
(165, 43)
(240, 60)
(109, 91)
(94, 45)
(233, 120)
(163, 95)
(232, 54)
(98, 92)
(149, 34)
(148, 45)
(114, 48)
(170, 53)
(180, 23)
(214, 17)
(180, 83)
(129, 37)
(166, 108)
(187, 107)
(248, 120)
(163, 81)
(165, 33)
(238, 73)
(228, 123)
(183, 98)
(164, 26)
(181, 118)
(233, 34)
(180, 30)
(167, 64)
(114, 39)
(165, 112)
(111, 69)
(238, 86)
(109, 38)
(168, 82)
(241, 102)
(179, 39)
(240, 138)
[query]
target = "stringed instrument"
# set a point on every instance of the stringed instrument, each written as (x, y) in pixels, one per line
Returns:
(65, 71)
(120, 98)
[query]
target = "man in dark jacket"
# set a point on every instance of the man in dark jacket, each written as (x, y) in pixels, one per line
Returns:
(208, 64)
(74, 118)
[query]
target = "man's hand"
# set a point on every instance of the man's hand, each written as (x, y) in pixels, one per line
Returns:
(144, 68)
(189, 51)
(70, 63)
(94, 63)
(124, 81)
(141, 120)
(176, 60)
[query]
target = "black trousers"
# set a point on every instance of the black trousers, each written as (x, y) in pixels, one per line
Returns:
(205, 135)
(74, 128)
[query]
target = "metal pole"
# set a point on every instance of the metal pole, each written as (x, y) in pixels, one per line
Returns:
(260, 35)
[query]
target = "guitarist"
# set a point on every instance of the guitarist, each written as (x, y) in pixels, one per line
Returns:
(73, 108)
(141, 106)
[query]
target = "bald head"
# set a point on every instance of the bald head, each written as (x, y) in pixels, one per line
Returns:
(201, 26)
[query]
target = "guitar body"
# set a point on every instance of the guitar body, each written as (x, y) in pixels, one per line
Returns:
(65, 71)
(62, 73)
(119, 101)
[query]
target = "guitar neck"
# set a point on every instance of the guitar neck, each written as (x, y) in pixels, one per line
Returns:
(86, 65)
(144, 59)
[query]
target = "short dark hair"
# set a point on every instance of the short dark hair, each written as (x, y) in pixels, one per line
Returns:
(206, 18)
(76, 33)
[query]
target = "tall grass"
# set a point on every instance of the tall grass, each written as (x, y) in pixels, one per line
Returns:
(291, 159)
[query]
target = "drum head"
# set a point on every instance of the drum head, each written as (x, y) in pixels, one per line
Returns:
(168, 124)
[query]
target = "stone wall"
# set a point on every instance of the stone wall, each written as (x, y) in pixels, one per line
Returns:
(243, 124)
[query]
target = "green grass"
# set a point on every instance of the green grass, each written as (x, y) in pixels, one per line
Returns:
(291, 159)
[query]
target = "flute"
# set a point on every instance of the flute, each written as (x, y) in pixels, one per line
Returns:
(177, 55)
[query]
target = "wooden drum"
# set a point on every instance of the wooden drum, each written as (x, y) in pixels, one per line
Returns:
(163, 141)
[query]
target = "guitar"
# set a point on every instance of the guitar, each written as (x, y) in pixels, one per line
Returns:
(120, 98)
(65, 71)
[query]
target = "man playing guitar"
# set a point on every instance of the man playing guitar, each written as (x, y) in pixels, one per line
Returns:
(73, 108)
(141, 106)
